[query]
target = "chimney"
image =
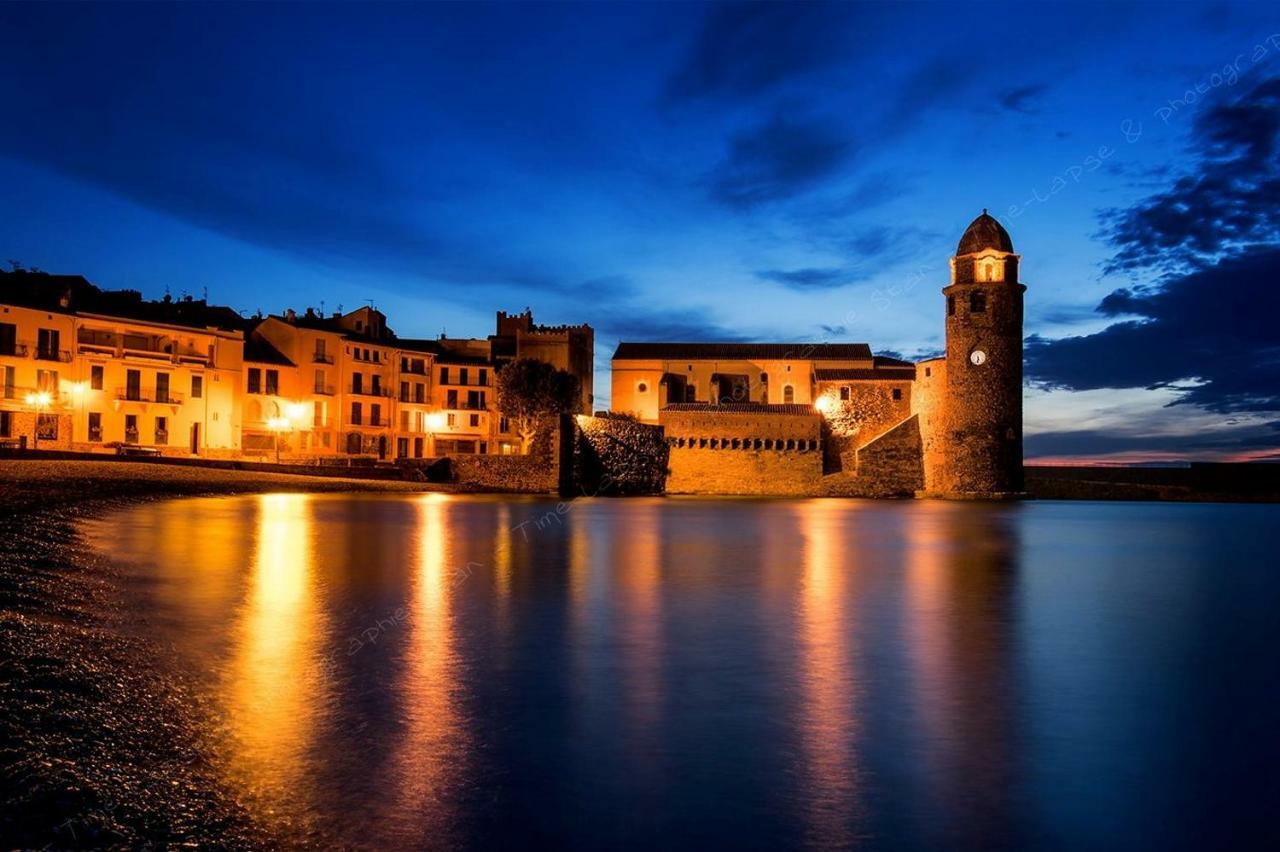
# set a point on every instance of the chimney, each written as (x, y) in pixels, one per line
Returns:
(291, 315)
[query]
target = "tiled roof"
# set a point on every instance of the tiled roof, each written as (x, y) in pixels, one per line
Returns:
(744, 408)
(259, 351)
(744, 351)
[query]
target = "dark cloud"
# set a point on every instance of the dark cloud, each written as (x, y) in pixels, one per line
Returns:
(778, 159)
(834, 330)
(1255, 440)
(746, 48)
(1211, 334)
(936, 82)
(1228, 203)
(806, 279)
(1024, 99)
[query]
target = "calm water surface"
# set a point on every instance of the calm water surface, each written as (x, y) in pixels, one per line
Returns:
(442, 671)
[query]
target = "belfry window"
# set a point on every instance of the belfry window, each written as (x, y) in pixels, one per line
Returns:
(977, 302)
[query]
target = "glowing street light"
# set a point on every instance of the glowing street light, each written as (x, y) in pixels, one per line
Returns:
(825, 404)
(39, 401)
(435, 422)
(278, 425)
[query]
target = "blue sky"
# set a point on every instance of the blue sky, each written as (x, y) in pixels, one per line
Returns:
(664, 171)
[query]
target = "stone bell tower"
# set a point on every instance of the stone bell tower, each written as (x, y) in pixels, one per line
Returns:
(982, 441)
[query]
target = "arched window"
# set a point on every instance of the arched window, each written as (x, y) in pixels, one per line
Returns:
(788, 394)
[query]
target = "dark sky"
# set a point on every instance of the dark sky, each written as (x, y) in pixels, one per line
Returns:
(681, 171)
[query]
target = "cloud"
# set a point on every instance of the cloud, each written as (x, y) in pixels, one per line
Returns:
(935, 82)
(778, 159)
(806, 279)
(1023, 99)
(1252, 442)
(1210, 333)
(637, 323)
(1228, 203)
(746, 48)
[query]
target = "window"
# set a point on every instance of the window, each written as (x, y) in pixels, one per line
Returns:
(897, 393)
(273, 382)
(95, 377)
(690, 393)
(484, 377)
(417, 448)
(162, 430)
(375, 415)
(133, 384)
(475, 420)
(254, 381)
(402, 448)
(197, 387)
(356, 413)
(131, 428)
(404, 391)
(47, 344)
(162, 387)
(47, 427)
(452, 419)
(463, 379)
(451, 399)
(357, 382)
(444, 375)
(317, 414)
(419, 393)
(321, 356)
(375, 384)
(951, 306)
(788, 394)
(475, 399)
(977, 302)
(47, 381)
(484, 447)
(928, 371)
(844, 393)
(504, 425)
(8, 339)
(418, 420)
(6, 425)
(404, 420)
(9, 378)
(319, 386)
(642, 388)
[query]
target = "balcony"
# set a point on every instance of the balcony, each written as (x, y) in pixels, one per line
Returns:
(371, 424)
(323, 390)
(14, 350)
(363, 391)
(322, 358)
(148, 395)
(63, 355)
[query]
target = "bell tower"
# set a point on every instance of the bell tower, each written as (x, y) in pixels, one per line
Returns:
(983, 421)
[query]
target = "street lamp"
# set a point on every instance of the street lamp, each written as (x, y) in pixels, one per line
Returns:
(435, 422)
(278, 425)
(39, 401)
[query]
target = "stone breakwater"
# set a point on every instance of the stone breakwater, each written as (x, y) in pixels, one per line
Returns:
(101, 740)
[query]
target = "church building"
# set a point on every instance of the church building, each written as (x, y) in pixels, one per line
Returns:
(836, 419)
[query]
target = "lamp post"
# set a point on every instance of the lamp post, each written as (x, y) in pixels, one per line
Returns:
(278, 425)
(39, 401)
(435, 422)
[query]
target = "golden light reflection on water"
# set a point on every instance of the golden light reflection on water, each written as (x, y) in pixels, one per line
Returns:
(828, 719)
(276, 682)
(434, 742)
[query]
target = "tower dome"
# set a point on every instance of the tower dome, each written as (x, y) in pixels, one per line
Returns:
(984, 233)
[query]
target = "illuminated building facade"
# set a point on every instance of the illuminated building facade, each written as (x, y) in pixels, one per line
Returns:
(91, 370)
(832, 418)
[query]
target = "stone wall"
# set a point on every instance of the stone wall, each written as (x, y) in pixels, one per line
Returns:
(868, 412)
(891, 465)
(744, 449)
(615, 456)
(928, 403)
(531, 474)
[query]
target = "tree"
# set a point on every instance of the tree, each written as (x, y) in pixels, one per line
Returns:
(531, 393)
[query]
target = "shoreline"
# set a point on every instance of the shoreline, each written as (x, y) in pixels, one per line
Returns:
(104, 745)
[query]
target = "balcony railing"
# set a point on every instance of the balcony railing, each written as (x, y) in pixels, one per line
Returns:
(63, 355)
(371, 424)
(363, 391)
(14, 350)
(324, 390)
(148, 395)
(131, 436)
(322, 358)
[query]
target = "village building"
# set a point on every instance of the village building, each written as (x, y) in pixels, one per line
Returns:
(92, 370)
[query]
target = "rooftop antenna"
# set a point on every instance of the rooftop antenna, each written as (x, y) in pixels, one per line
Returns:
(370, 301)
(322, 307)
(204, 292)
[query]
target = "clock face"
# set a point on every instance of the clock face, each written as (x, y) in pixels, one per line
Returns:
(978, 357)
